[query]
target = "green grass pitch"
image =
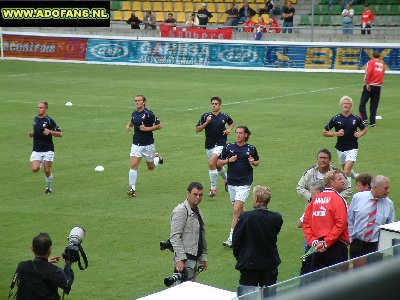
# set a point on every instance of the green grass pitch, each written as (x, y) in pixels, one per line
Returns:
(285, 111)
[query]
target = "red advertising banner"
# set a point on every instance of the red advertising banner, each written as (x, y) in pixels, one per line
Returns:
(195, 32)
(22, 46)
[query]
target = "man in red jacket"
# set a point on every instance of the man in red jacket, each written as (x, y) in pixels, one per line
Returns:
(325, 223)
(373, 79)
(367, 16)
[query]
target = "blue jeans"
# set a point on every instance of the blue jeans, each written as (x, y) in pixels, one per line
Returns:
(287, 27)
(347, 28)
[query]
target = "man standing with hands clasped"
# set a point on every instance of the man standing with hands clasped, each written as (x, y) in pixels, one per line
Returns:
(240, 157)
(325, 223)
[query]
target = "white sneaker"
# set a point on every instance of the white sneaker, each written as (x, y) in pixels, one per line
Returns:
(227, 243)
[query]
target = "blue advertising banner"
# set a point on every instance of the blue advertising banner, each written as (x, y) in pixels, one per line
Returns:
(338, 58)
(177, 53)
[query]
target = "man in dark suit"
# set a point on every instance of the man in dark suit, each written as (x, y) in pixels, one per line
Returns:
(254, 242)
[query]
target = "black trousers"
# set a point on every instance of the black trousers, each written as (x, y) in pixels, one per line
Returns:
(333, 255)
(366, 29)
(360, 248)
(374, 94)
(264, 277)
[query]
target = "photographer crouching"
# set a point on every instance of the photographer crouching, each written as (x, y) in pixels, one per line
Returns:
(39, 278)
(188, 237)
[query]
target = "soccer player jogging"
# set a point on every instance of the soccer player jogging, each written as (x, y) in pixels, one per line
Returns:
(44, 128)
(241, 157)
(373, 79)
(346, 125)
(143, 122)
(214, 123)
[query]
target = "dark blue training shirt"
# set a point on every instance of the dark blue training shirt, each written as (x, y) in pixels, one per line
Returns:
(240, 172)
(41, 142)
(349, 124)
(215, 129)
(146, 117)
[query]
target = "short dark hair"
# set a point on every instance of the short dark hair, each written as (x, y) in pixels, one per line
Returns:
(41, 243)
(326, 151)
(376, 54)
(194, 185)
(216, 98)
(364, 179)
(246, 130)
(45, 103)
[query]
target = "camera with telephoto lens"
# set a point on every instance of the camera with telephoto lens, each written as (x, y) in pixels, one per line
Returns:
(74, 248)
(166, 245)
(181, 276)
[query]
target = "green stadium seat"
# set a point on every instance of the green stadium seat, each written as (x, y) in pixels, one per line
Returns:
(325, 10)
(336, 9)
(326, 20)
(115, 5)
(304, 21)
(323, 2)
(394, 10)
(358, 9)
(381, 10)
(316, 20)
(337, 20)
(316, 10)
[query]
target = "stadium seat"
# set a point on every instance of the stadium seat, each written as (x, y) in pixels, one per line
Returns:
(396, 20)
(325, 10)
(168, 6)
(139, 14)
(304, 20)
(126, 5)
(211, 7)
(221, 7)
(394, 10)
(336, 20)
(115, 5)
(326, 20)
(214, 18)
(188, 7)
(254, 6)
(117, 15)
(146, 6)
(160, 16)
(178, 6)
(180, 17)
(316, 20)
(126, 15)
(136, 5)
(222, 18)
(383, 20)
(316, 9)
(336, 9)
(382, 10)
(358, 9)
(157, 6)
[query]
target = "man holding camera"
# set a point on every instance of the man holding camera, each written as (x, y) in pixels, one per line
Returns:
(39, 278)
(188, 235)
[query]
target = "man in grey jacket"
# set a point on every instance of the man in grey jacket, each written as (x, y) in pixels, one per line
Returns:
(188, 234)
(317, 172)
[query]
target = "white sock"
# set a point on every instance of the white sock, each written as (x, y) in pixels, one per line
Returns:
(49, 179)
(349, 181)
(132, 179)
(156, 160)
(222, 173)
(353, 174)
(230, 234)
(213, 178)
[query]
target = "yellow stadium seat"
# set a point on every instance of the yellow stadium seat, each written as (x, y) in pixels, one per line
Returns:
(157, 6)
(253, 6)
(223, 17)
(139, 14)
(147, 6)
(127, 15)
(211, 7)
(117, 15)
(188, 7)
(181, 17)
(178, 6)
(160, 17)
(221, 7)
(214, 18)
(125, 5)
(168, 7)
(136, 5)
